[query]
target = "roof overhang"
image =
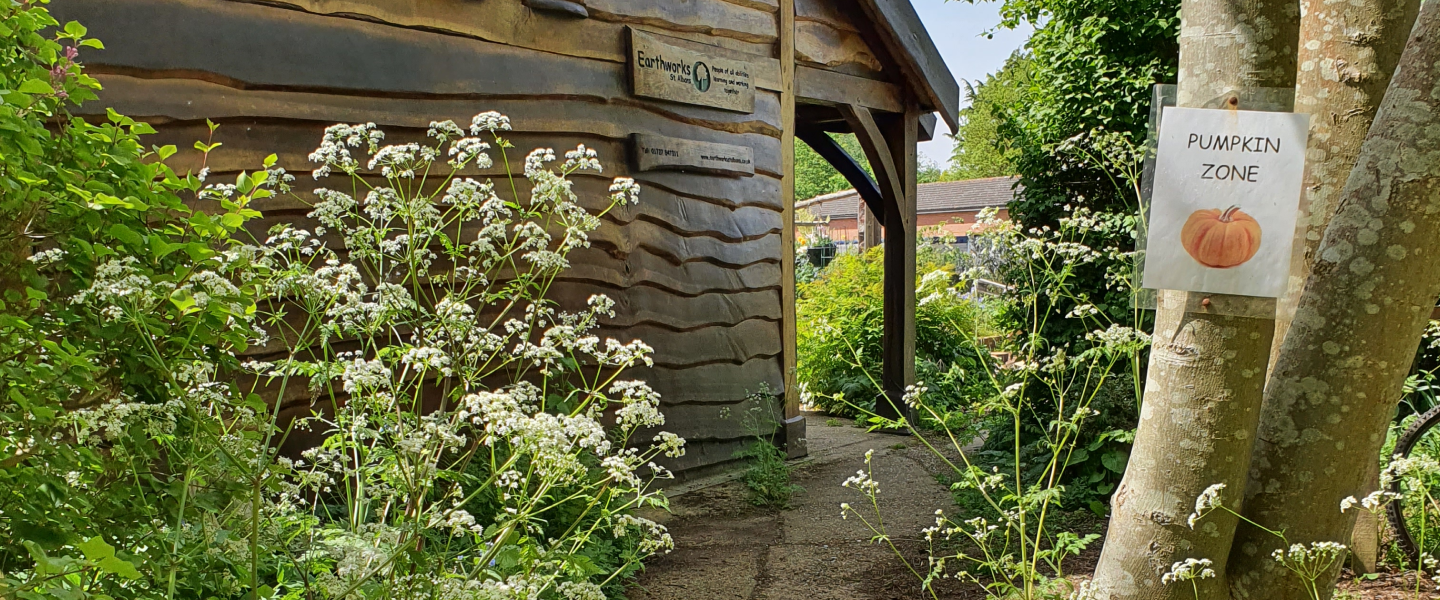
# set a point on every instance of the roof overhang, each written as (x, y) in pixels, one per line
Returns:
(910, 43)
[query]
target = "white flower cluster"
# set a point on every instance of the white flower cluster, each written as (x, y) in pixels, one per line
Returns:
(46, 258)
(1207, 501)
(1374, 502)
(417, 307)
(1310, 561)
(1189, 569)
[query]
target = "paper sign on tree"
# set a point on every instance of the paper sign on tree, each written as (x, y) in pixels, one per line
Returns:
(1226, 195)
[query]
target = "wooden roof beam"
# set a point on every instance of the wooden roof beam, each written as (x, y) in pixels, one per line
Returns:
(828, 149)
(908, 41)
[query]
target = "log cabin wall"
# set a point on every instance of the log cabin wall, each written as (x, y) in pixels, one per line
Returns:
(694, 267)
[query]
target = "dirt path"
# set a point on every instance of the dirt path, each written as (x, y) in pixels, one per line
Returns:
(728, 549)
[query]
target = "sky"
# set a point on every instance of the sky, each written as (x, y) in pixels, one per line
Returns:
(958, 29)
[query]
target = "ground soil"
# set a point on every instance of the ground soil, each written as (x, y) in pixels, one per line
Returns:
(729, 549)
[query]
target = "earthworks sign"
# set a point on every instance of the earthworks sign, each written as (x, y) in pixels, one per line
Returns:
(654, 152)
(1227, 191)
(664, 71)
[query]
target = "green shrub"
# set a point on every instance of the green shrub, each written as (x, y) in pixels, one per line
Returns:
(841, 324)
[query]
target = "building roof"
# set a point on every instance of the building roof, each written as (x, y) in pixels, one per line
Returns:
(938, 197)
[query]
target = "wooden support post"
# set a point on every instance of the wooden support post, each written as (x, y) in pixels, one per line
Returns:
(892, 153)
(871, 227)
(794, 424)
(902, 133)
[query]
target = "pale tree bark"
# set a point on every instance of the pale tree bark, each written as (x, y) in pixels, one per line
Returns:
(1207, 369)
(1360, 317)
(1348, 51)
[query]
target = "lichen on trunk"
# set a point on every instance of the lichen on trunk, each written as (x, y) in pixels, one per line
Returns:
(1359, 319)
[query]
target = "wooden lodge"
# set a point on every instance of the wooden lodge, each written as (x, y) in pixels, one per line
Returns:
(702, 268)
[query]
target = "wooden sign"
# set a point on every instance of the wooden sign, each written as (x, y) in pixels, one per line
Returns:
(664, 71)
(654, 152)
(1227, 190)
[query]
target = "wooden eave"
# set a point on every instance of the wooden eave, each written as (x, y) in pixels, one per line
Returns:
(899, 27)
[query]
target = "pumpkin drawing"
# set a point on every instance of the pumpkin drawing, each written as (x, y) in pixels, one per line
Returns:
(1221, 239)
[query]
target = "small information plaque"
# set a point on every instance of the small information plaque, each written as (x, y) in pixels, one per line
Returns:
(665, 71)
(654, 152)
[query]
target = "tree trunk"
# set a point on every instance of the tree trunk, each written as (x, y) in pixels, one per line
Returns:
(1207, 371)
(1348, 52)
(1368, 298)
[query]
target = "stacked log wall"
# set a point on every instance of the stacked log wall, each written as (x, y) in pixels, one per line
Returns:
(694, 267)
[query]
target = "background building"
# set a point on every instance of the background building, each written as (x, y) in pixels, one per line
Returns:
(952, 206)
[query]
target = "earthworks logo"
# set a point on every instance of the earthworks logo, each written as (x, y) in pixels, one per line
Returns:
(702, 77)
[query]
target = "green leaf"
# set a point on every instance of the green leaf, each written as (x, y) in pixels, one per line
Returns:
(96, 549)
(183, 300)
(166, 151)
(232, 220)
(36, 86)
(75, 29)
(1115, 461)
(96, 44)
(115, 566)
(160, 248)
(126, 234)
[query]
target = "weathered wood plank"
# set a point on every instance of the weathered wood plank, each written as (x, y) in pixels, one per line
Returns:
(688, 279)
(192, 99)
(685, 217)
(705, 457)
(820, 44)
(769, 6)
(824, 11)
(747, 417)
(829, 87)
(648, 305)
(720, 383)
(616, 240)
(735, 344)
(248, 141)
(712, 17)
(273, 47)
(511, 23)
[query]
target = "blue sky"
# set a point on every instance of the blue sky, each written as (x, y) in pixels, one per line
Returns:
(957, 28)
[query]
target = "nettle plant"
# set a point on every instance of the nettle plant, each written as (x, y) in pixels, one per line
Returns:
(1008, 545)
(467, 438)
